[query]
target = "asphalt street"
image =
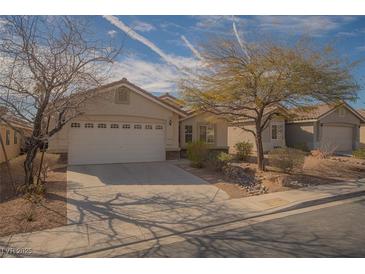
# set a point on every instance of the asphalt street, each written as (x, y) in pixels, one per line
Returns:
(337, 231)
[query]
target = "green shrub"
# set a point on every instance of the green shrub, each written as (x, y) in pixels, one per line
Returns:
(359, 153)
(302, 146)
(218, 160)
(286, 159)
(197, 153)
(243, 150)
(223, 160)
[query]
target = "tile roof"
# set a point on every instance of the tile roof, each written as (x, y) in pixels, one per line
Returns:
(310, 113)
(361, 111)
(15, 122)
(317, 111)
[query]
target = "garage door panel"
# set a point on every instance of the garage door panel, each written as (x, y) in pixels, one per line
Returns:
(116, 145)
(339, 136)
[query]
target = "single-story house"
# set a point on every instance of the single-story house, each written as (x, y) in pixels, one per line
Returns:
(327, 126)
(11, 139)
(362, 129)
(333, 126)
(122, 123)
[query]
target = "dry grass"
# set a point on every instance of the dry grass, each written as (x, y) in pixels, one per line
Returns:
(20, 215)
(336, 167)
(17, 172)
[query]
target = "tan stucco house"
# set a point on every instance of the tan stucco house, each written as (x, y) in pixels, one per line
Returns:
(336, 126)
(11, 139)
(333, 126)
(124, 123)
(362, 129)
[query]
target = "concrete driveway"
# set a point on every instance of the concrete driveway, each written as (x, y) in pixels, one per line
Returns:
(135, 191)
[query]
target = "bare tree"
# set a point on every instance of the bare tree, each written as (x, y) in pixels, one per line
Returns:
(254, 81)
(48, 66)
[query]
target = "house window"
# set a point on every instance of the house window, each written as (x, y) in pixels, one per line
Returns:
(148, 127)
(7, 137)
(341, 112)
(89, 125)
(159, 127)
(101, 125)
(137, 126)
(126, 126)
(75, 124)
(206, 134)
(188, 134)
(276, 132)
(122, 95)
(114, 126)
(15, 138)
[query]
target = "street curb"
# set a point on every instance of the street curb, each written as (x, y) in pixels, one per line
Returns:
(291, 207)
(300, 205)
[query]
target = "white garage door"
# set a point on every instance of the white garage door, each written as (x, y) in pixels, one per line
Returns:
(340, 137)
(110, 142)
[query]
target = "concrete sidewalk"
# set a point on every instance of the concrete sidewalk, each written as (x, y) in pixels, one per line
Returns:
(123, 228)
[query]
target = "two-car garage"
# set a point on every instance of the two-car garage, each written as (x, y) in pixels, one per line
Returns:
(95, 142)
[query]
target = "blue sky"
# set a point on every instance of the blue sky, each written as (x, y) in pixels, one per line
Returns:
(155, 47)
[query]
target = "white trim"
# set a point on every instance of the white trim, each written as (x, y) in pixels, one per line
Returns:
(206, 125)
(184, 131)
(301, 121)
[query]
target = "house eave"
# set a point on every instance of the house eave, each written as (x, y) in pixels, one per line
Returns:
(301, 121)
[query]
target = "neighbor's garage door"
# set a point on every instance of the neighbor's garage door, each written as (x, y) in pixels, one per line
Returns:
(339, 136)
(109, 142)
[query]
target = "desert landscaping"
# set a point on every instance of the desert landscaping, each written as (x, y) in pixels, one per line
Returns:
(22, 213)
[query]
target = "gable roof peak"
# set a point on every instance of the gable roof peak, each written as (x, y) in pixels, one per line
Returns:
(141, 91)
(318, 111)
(168, 95)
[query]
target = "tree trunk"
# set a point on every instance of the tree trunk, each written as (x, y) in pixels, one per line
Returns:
(28, 165)
(34, 144)
(259, 148)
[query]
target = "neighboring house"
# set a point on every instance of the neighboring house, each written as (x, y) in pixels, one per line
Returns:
(124, 123)
(12, 139)
(273, 135)
(362, 128)
(334, 126)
